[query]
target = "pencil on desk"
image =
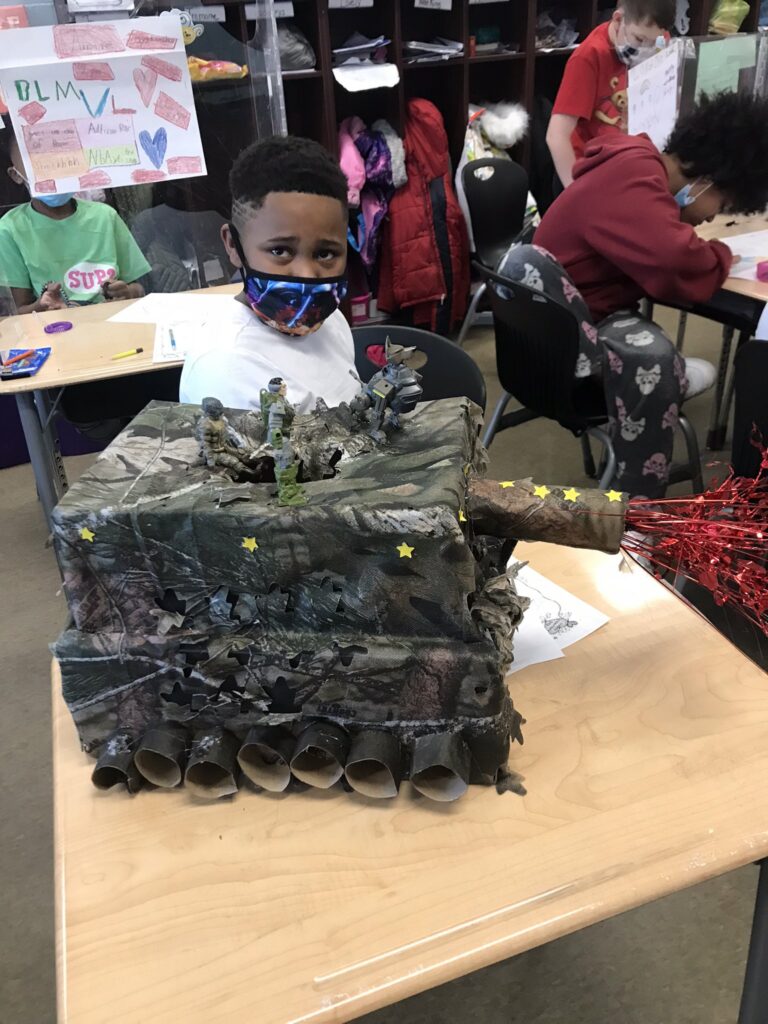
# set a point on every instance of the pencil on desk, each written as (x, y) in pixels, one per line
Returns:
(19, 357)
(130, 352)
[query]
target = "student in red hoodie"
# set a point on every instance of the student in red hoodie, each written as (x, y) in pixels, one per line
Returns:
(625, 229)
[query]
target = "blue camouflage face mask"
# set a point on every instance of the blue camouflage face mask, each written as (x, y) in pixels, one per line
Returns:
(291, 305)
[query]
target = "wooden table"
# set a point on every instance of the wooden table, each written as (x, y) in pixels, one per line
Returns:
(646, 760)
(79, 356)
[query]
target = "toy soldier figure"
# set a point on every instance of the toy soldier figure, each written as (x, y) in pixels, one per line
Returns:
(278, 415)
(220, 445)
(395, 386)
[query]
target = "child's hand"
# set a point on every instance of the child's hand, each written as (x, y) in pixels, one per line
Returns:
(117, 290)
(51, 298)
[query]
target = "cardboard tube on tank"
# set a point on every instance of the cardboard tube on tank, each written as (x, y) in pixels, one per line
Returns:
(374, 764)
(212, 768)
(577, 517)
(265, 757)
(320, 755)
(115, 766)
(440, 766)
(161, 755)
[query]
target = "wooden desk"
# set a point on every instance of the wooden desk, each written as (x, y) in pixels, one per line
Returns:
(646, 759)
(79, 356)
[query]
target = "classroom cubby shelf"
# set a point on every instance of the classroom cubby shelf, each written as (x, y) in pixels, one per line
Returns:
(450, 84)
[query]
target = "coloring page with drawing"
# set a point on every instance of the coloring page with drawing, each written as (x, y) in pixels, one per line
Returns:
(101, 104)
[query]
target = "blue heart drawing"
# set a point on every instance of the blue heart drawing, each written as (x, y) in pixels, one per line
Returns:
(156, 146)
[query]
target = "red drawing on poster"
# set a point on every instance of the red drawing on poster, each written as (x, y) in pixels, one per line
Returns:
(185, 165)
(84, 39)
(121, 110)
(146, 177)
(145, 81)
(32, 112)
(45, 186)
(148, 41)
(92, 71)
(162, 67)
(170, 110)
(95, 179)
(13, 17)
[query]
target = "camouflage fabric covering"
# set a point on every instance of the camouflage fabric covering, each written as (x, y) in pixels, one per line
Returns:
(200, 604)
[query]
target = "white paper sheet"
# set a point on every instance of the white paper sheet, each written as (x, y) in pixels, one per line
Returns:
(359, 77)
(174, 340)
(752, 247)
(533, 644)
(99, 104)
(174, 307)
(652, 95)
(565, 618)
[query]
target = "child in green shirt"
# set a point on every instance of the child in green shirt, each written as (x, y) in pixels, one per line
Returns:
(57, 251)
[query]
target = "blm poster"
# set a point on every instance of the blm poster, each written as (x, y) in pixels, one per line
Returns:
(100, 104)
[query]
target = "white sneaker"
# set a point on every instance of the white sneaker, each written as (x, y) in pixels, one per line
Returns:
(701, 376)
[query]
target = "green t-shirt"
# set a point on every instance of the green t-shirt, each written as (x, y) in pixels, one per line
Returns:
(82, 251)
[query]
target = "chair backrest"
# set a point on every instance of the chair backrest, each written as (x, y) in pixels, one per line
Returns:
(537, 344)
(497, 194)
(449, 371)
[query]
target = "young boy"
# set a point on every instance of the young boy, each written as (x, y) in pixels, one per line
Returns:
(288, 237)
(57, 250)
(592, 98)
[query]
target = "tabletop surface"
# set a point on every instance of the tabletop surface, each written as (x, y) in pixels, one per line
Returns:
(85, 353)
(723, 227)
(645, 762)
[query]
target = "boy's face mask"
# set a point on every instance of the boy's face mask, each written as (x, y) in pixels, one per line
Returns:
(61, 199)
(292, 305)
(631, 54)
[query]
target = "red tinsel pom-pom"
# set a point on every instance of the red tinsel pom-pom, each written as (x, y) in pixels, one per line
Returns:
(718, 539)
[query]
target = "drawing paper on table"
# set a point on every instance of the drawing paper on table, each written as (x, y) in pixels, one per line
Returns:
(565, 617)
(753, 245)
(533, 644)
(130, 113)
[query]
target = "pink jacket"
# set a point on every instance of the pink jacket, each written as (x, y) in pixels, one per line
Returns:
(351, 161)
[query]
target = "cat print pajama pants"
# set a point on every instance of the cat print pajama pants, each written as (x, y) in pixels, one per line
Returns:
(643, 374)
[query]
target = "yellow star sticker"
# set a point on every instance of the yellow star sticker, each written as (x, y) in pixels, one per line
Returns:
(571, 494)
(404, 550)
(87, 534)
(541, 491)
(249, 543)
(613, 495)
(462, 517)
(507, 483)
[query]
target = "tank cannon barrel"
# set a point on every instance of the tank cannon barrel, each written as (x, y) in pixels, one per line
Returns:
(522, 510)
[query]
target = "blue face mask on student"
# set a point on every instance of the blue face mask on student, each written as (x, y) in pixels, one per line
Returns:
(683, 196)
(58, 200)
(291, 305)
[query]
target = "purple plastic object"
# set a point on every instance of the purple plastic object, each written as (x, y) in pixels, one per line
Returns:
(58, 327)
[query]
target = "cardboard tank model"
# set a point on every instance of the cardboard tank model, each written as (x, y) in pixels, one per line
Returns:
(222, 629)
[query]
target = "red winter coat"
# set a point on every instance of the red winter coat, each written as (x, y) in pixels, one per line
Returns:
(425, 251)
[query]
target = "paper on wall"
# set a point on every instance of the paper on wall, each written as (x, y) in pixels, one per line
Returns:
(101, 104)
(652, 95)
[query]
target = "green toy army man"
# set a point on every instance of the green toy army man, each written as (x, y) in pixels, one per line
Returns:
(278, 415)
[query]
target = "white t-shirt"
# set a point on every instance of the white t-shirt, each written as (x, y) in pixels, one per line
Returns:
(243, 355)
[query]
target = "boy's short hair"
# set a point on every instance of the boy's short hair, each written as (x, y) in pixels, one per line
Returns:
(283, 163)
(724, 139)
(6, 139)
(654, 12)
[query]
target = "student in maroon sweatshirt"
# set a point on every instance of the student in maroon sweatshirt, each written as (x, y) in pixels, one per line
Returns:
(625, 229)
